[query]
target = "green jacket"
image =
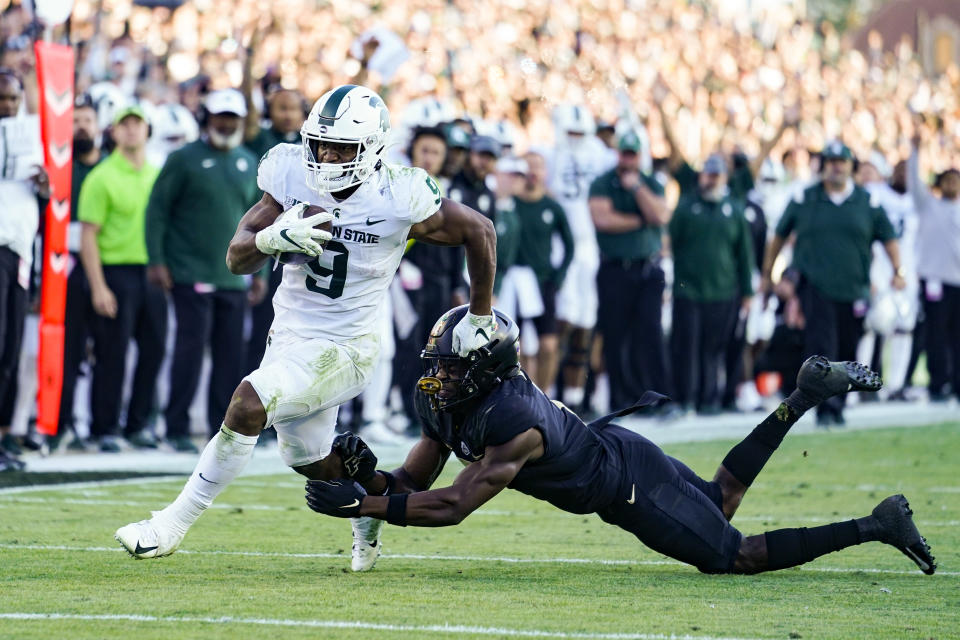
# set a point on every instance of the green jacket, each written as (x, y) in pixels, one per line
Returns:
(194, 208)
(539, 221)
(833, 248)
(712, 250)
(639, 244)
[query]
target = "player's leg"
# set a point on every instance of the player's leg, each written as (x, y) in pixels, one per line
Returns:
(225, 456)
(891, 522)
(817, 380)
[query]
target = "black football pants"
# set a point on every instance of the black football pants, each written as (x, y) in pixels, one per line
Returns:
(630, 301)
(215, 318)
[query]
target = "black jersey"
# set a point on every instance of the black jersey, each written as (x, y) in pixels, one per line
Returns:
(579, 470)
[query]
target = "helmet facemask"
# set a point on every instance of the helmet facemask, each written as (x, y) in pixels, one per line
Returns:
(331, 177)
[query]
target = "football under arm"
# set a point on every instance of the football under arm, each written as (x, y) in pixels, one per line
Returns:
(243, 257)
(475, 485)
(455, 224)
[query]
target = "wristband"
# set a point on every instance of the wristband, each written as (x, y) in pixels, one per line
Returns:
(397, 509)
(391, 482)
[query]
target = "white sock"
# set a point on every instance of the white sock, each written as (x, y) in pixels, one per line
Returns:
(222, 459)
(573, 396)
(901, 345)
(601, 394)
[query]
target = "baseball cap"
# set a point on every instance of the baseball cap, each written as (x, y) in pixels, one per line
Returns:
(130, 110)
(485, 144)
(715, 164)
(457, 138)
(629, 141)
(835, 150)
(226, 101)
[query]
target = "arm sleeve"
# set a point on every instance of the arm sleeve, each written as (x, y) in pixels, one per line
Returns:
(788, 220)
(567, 237)
(422, 195)
(882, 229)
(916, 187)
(745, 258)
(686, 177)
(93, 200)
(160, 207)
(510, 417)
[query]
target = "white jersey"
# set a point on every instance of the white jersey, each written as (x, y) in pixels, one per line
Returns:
(339, 294)
(571, 173)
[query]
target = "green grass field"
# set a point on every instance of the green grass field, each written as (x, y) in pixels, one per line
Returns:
(261, 564)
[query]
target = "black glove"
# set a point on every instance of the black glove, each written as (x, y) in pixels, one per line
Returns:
(357, 457)
(338, 498)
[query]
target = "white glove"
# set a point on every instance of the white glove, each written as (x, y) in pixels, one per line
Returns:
(291, 233)
(473, 332)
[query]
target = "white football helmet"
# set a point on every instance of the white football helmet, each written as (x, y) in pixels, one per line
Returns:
(575, 119)
(349, 114)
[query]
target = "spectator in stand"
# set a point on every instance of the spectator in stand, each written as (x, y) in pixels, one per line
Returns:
(469, 187)
(835, 223)
(458, 151)
(202, 192)
(713, 265)
(938, 265)
(112, 208)
(24, 185)
(629, 213)
(77, 312)
(542, 219)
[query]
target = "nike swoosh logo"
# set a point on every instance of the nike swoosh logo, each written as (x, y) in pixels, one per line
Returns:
(633, 494)
(373, 222)
(283, 234)
(481, 332)
(140, 549)
(351, 505)
(205, 480)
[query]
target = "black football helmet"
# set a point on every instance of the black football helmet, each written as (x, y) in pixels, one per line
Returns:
(475, 375)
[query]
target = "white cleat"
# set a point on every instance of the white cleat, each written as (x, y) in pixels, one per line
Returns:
(148, 539)
(366, 543)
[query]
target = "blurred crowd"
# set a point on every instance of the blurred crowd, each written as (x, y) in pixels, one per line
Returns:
(604, 140)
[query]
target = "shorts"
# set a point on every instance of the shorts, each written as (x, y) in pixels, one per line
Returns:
(546, 322)
(301, 383)
(668, 507)
(577, 300)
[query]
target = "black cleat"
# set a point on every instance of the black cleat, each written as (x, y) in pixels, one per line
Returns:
(820, 378)
(897, 529)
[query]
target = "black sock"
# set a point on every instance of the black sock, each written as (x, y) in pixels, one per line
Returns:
(792, 547)
(746, 459)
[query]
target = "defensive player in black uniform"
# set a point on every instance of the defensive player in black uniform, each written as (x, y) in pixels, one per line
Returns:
(487, 412)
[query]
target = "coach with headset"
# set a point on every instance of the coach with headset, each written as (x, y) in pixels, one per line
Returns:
(202, 192)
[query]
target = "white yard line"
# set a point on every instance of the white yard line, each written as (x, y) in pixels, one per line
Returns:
(454, 558)
(372, 626)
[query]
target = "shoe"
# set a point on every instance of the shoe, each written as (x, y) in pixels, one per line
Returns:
(825, 420)
(183, 444)
(11, 445)
(672, 411)
(110, 444)
(143, 439)
(898, 529)
(149, 538)
(709, 410)
(820, 378)
(79, 444)
(10, 463)
(366, 543)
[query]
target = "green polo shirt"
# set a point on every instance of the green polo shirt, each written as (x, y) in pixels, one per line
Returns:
(267, 138)
(114, 197)
(638, 244)
(194, 208)
(712, 250)
(833, 248)
(539, 221)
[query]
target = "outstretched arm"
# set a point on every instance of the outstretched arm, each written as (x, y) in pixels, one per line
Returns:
(475, 485)
(455, 224)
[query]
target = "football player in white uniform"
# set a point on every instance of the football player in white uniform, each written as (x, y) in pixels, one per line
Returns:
(324, 340)
(578, 158)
